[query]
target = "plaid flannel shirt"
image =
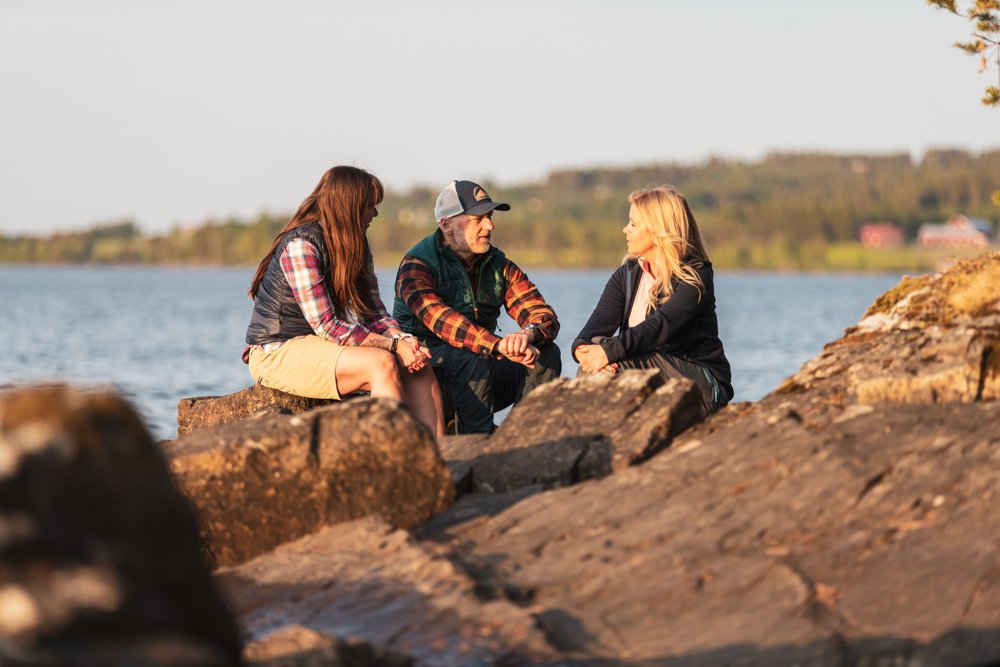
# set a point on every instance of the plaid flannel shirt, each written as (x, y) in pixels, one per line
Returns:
(417, 287)
(300, 263)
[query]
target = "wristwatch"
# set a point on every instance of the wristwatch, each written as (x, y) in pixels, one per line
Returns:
(533, 331)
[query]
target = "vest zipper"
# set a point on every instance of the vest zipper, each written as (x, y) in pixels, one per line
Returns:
(475, 294)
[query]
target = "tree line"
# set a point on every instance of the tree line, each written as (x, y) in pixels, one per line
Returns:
(785, 211)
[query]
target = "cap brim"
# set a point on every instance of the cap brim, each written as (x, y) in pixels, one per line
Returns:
(487, 206)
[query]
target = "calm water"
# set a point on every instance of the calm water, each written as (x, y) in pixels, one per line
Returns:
(158, 335)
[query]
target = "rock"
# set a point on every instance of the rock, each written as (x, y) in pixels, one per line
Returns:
(366, 580)
(259, 484)
(672, 409)
(258, 401)
(569, 430)
(459, 451)
(99, 552)
(296, 644)
(934, 339)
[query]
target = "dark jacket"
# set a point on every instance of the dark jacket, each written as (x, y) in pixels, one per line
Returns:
(276, 314)
(683, 326)
(455, 288)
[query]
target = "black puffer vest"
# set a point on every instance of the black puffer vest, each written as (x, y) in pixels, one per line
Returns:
(276, 315)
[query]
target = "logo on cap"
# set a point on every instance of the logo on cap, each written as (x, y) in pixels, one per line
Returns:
(480, 194)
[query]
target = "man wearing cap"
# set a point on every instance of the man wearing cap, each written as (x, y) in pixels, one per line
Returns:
(449, 291)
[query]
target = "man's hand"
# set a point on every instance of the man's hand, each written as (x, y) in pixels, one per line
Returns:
(514, 344)
(527, 358)
(593, 359)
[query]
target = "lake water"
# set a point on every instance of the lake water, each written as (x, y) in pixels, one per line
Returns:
(158, 334)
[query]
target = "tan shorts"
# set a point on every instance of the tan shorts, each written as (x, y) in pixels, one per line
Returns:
(305, 366)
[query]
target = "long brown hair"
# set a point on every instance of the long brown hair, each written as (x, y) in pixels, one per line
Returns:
(337, 203)
(677, 242)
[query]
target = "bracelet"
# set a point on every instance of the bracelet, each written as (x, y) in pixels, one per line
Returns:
(393, 345)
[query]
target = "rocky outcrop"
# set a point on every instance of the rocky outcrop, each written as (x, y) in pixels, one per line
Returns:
(768, 531)
(99, 552)
(261, 483)
(932, 339)
(255, 402)
(828, 524)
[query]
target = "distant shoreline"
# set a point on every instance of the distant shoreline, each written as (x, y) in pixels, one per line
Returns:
(846, 258)
(784, 212)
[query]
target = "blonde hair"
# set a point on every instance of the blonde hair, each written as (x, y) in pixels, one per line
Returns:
(677, 242)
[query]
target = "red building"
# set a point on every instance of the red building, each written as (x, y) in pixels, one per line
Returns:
(880, 235)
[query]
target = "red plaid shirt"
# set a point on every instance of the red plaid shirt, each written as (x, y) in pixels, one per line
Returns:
(417, 287)
(300, 263)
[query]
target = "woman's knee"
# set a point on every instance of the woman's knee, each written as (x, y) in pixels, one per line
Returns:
(384, 366)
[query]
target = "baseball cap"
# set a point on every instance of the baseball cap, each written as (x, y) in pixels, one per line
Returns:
(465, 197)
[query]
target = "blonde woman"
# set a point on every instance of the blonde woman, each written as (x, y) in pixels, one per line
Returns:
(658, 309)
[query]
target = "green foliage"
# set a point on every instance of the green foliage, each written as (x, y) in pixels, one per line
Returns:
(984, 15)
(789, 211)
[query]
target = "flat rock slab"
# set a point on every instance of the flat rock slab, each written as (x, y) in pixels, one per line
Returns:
(570, 430)
(258, 484)
(99, 553)
(770, 539)
(364, 579)
(299, 645)
(194, 414)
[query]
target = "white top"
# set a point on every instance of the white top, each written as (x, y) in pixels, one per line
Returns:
(642, 291)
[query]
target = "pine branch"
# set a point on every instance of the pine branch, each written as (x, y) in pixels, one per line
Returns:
(947, 5)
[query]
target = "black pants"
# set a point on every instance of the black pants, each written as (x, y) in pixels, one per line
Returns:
(480, 386)
(712, 397)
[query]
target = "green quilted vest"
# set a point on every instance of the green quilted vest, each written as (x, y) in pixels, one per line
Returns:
(455, 288)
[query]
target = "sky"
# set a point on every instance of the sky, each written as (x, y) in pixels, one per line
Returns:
(170, 113)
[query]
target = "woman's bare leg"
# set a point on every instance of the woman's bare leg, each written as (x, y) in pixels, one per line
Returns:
(379, 371)
(422, 393)
(369, 369)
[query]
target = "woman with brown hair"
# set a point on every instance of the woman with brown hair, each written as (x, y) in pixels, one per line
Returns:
(319, 328)
(661, 301)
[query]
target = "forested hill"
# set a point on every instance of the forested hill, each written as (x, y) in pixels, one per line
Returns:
(789, 210)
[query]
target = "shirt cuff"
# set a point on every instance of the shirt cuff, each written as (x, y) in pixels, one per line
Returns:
(489, 344)
(613, 348)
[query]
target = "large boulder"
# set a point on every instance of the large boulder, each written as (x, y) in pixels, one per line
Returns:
(257, 401)
(570, 430)
(99, 552)
(258, 484)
